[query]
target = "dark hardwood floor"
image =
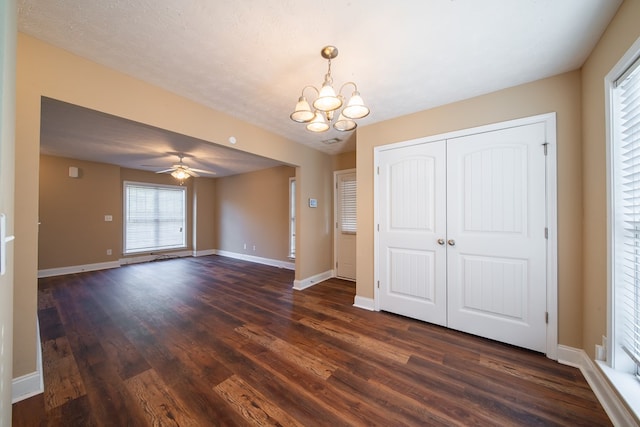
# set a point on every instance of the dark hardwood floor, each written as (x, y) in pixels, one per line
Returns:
(216, 341)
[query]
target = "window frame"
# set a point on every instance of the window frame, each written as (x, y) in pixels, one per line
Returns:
(617, 366)
(292, 218)
(168, 248)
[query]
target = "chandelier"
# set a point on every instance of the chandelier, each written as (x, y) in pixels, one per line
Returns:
(327, 103)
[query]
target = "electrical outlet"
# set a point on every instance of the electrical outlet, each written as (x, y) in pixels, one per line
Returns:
(109, 251)
(245, 246)
(254, 248)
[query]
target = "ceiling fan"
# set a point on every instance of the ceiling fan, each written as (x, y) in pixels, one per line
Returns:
(182, 171)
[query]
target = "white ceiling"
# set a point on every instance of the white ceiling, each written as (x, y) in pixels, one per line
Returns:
(251, 58)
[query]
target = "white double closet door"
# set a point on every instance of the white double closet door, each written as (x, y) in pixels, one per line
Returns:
(462, 229)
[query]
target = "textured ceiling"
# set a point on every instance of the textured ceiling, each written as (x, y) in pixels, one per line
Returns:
(251, 58)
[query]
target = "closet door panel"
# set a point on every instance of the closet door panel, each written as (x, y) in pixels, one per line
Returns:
(412, 209)
(496, 221)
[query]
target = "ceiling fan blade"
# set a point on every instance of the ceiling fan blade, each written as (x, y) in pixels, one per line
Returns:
(165, 170)
(191, 172)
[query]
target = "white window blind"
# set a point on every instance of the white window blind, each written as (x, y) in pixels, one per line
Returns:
(347, 201)
(627, 205)
(155, 217)
(292, 218)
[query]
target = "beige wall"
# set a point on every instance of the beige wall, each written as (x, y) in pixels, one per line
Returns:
(204, 190)
(344, 161)
(72, 227)
(622, 32)
(560, 94)
(43, 70)
(73, 231)
(253, 209)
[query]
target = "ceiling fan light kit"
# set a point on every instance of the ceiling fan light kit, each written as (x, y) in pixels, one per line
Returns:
(181, 172)
(328, 102)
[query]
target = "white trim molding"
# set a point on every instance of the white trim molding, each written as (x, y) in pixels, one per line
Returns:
(257, 259)
(32, 384)
(26, 386)
(303, 284)
(205, 252)
(364, 303)
(160, 256)
(549, 120)
(50, 272)
(609, 399)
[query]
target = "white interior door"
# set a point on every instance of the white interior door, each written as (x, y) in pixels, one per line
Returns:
(496, 223)
(462, 239)
(8, 35)
(346, 225)
(412, 209)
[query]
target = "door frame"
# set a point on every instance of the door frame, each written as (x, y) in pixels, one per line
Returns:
(336, 175)
(551, 186)
(8, 40)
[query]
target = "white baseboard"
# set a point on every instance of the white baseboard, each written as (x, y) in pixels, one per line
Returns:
(136, 259)
(364, 303)
(156, 257)
(256, 259)
(31, 384)
(300, 285)
(26, 386)
(609, 399)
(50, 272)
(205, 252)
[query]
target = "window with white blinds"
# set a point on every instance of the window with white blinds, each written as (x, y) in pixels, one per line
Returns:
(347, 203)
(292, 217)
(155, 217)
(626, 188)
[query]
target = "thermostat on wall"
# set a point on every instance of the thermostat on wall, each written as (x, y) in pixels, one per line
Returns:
(313, 203)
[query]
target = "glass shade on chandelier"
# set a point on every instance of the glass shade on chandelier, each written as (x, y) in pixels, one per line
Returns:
(327, 104)
(318, 124)
(302, 113)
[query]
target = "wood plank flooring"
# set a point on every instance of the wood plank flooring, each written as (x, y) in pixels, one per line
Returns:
(216, 341)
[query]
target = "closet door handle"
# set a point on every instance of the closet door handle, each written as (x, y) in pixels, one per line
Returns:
(441, 242)
(451, 242)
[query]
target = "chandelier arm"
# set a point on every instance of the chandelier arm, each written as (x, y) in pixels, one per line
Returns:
(345, 84)
(312, 87)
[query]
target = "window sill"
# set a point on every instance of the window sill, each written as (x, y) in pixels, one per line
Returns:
(627, 386)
